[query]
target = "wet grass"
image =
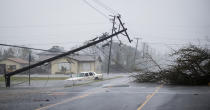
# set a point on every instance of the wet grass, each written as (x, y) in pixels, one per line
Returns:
(33, 78)
(47, 78)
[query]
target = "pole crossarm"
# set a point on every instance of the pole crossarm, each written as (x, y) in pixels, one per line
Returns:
(8, 75)
(126, 34)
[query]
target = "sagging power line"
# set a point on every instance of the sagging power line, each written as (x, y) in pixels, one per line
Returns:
(25, 47)
(97, 10)
(105, 7)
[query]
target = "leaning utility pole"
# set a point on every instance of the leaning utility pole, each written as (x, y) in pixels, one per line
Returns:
(110, 47)
(8, 75)
(122, 31)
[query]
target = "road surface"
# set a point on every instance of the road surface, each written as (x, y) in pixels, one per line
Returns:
(115, 94)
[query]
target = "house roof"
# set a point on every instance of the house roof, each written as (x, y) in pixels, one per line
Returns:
(18, 60)
(56, 50)
(49, 53)
(85, 58)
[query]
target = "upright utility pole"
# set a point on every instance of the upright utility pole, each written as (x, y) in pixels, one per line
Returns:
(110, 47)
(137, 39)
(29, 70)
(144, 45)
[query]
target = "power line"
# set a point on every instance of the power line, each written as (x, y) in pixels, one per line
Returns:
(51, 25)
(105, 7)
(175, 44)
(25, 47)
(56, 43)
(100, 12)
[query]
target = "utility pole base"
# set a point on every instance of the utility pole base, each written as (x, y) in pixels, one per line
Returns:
(7, 81)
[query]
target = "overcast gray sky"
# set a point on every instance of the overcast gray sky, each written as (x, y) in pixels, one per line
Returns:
(43, 23)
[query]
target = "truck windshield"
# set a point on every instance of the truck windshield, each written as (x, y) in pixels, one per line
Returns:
(81, 75)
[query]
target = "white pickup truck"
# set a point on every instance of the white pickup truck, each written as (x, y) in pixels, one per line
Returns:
(86, 76)
(83, 77)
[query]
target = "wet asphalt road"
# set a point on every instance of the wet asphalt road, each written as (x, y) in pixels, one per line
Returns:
(115, 94)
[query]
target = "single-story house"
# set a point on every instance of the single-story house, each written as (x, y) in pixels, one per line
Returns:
(75, 64)
(72, 63)
(13, 64)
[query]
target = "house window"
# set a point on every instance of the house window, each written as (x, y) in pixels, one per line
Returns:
(85, 67)
(11, 67)
(64, 66)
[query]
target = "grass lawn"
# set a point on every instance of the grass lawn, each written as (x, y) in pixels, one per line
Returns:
(46, 78)
(33, 78)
